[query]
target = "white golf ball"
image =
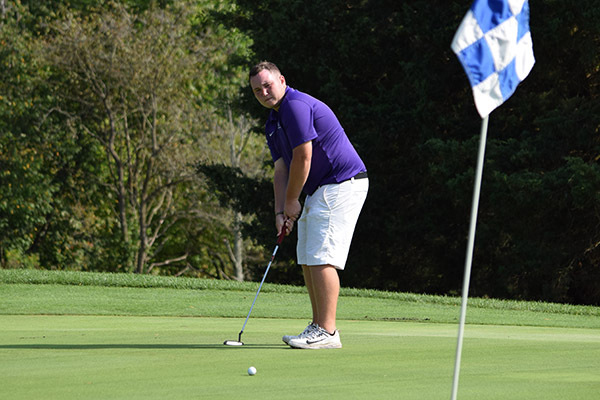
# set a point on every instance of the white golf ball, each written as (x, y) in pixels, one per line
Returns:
(251, 371)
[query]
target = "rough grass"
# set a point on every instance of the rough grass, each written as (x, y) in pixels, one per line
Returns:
(23, 276)
(62, 292)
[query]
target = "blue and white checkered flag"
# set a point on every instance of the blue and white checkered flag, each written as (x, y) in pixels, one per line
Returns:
(494, 46)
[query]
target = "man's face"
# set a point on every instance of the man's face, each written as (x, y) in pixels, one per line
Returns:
(268, 88)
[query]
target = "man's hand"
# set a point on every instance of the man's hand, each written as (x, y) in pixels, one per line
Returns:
(292, 209)
(280, 221)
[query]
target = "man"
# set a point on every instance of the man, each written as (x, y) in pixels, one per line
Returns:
(312, 154)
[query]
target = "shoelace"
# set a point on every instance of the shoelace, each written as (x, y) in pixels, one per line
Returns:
(317, 332)
(308, 330)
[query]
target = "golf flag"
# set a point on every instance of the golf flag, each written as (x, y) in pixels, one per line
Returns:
(494, 46)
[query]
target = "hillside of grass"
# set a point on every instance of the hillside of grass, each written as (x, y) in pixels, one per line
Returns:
(85, 293)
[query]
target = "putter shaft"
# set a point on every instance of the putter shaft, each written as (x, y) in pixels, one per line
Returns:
(279, 240)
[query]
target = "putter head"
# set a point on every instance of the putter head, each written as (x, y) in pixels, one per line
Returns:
(233, 343)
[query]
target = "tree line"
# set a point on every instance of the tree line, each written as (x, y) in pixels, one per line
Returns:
(130, 142)
(106, 109)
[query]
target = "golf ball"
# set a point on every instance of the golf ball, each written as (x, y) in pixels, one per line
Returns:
(251, 371)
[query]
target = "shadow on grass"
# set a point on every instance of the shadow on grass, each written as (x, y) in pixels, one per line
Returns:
(220, 346)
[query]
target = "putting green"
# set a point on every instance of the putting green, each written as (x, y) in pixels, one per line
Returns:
(106, 357)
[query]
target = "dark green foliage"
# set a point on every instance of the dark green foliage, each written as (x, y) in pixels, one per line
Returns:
(58, 210)
(46, 200)
(254, 197)
(237, 191)
(387, 70)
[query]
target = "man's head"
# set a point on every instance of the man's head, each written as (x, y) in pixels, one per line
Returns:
(267, 83)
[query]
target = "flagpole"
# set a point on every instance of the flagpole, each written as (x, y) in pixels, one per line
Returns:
(469, 255)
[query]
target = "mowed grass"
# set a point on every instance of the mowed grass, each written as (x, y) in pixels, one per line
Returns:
(153, 339)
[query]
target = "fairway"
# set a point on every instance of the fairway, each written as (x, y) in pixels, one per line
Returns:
(133, 357)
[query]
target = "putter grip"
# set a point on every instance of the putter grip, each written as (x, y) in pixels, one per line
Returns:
(281, 235)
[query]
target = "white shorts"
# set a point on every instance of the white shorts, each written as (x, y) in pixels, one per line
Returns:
(327, 223)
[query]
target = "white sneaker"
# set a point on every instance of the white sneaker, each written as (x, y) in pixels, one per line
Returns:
(318, 338)
(286, 339)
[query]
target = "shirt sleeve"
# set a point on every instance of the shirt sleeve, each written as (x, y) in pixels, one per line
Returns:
(297, 120)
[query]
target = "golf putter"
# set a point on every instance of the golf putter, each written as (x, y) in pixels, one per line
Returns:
(239, 341)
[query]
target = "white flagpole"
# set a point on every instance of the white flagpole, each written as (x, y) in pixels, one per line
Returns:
(469, 257)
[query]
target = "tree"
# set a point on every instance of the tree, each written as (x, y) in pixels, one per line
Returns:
(28, 185)
(237, 133)
(127, 80)
(72, 217)
(235, 144)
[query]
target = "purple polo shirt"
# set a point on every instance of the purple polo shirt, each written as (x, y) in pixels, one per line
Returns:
(302, 118)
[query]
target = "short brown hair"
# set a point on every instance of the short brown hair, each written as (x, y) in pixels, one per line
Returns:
(269, 66)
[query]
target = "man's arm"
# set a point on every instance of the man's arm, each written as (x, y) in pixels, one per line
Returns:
(280, 182)
(299, 169)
